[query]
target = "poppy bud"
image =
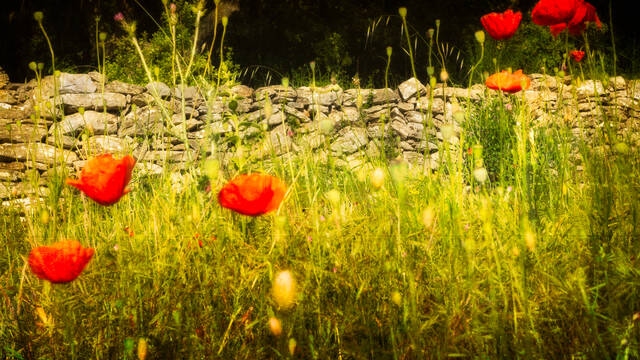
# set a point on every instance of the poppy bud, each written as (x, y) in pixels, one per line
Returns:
(430, 70)
(142, 349)
(44, 216)
(459, 116)
(403, 12)
(38, 15)
(432, 81)
(33, 66)
(284, 289)
(428, 217)
(233, 105)
(225, 21)
(128, 345)
(212, 168)
(447, 132)
(480, 174)
(515, 251)
(334, 197)
(444, 75)
(530, 240)
(285, 82)
(396, 297)
(312, 65)
(103, 36)
(479, 36)
(430, 33)
(325, 126)
(275, 326)
(292, 346)
(268, 109)
(377, 178)
(621, 148)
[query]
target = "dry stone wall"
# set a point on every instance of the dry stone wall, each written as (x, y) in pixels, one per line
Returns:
(66, 120)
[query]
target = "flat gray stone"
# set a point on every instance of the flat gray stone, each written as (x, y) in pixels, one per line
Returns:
(23, 133)
(7, 97)
(75, 84)
(277, 93)
(95, 101)
(124, 88)
(100, 144)
(409, 89)
(21, 189)
(10, 175)
(67, 142)
(242, 91)
(350, 140)
(370, 96)
(158, 88)
(590, 88)
(325, 96)
(187, 92)
(41, 153)
(98, 123)
(144, 121)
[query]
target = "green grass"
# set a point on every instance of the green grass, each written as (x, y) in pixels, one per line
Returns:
(472, 281)
(542, 261)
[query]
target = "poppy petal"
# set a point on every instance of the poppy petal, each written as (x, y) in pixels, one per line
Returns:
(60, 262)
(501, 26)
(104, 179)
(253, 194)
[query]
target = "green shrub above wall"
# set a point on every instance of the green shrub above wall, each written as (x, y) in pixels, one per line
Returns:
(123, 63)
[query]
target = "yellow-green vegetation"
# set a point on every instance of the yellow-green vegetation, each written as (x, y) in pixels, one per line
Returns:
(524, 255)
(420, 267)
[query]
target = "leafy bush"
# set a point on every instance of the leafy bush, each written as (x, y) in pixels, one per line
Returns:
(123, 62)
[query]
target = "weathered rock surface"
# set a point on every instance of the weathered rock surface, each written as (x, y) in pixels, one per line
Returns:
(41, 125)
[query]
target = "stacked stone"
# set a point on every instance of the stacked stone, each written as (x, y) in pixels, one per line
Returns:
(47, 124)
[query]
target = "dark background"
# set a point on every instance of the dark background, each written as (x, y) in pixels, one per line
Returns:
(275, 36)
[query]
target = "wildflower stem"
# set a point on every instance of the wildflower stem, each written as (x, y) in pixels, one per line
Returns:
(53, 63)
(213, 41)
(224, 31)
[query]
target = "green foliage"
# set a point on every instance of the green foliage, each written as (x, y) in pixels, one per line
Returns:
(123, 62)
(492, 125)
(333, 55)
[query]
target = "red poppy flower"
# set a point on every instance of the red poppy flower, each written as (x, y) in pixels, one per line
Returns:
(577, 55)
(506, 81)
(104, 179)
(253, 194)
(562, 14)
(60, 262)
(501, 25)
(557, 29)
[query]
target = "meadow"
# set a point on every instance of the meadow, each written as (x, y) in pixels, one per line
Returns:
(510, 249)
